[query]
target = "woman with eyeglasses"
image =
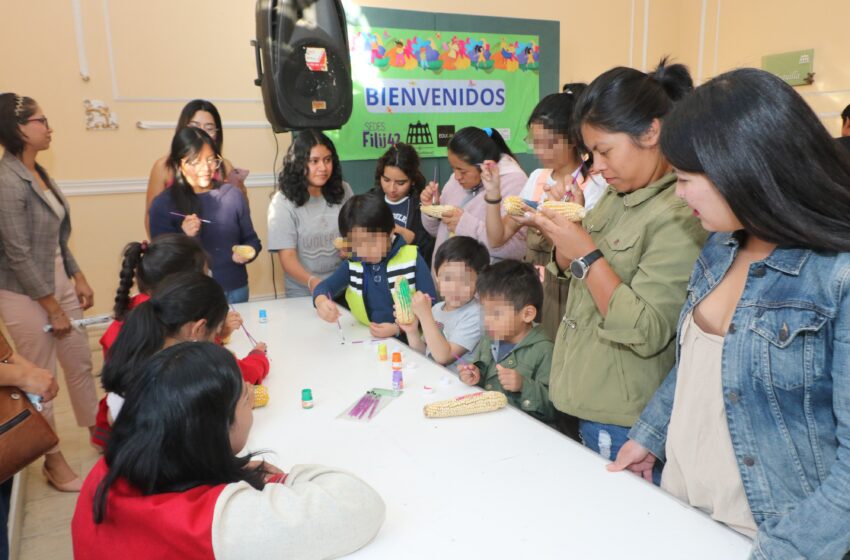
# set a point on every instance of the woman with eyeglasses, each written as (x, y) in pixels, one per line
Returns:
(202, 114)
(41, 283)
(201, 206)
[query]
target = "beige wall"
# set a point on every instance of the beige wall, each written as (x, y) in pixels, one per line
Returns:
(164, 52)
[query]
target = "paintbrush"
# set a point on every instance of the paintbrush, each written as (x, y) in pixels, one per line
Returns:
(184, 216)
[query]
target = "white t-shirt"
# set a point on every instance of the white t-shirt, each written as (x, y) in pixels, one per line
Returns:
(310, 230)
(461, 326)
(594, 187)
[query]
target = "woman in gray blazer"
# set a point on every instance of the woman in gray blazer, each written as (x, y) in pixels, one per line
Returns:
(40, 282)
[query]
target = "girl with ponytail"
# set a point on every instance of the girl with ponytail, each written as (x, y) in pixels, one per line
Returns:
(468, 149)
(184, 306)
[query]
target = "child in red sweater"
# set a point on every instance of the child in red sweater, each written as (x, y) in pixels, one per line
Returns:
(185, 306)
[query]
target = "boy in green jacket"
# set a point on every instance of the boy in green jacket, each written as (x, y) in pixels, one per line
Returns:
(513, 356)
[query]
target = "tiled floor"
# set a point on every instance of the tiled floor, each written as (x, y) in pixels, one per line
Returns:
(46, 521)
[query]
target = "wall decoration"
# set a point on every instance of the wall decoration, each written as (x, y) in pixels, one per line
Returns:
(98, 116)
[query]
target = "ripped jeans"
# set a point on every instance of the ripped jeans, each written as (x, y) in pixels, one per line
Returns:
(607, 439)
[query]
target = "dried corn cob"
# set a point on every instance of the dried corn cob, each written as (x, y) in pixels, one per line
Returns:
(435, 210)
(514, 205)
(261, 396)
(403, 298)
(245, 251)
(570, 210)
(475, 403)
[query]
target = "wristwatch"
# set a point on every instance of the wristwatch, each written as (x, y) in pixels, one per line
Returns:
(580, 266)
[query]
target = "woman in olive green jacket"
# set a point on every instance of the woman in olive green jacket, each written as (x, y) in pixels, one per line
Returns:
(628, 266)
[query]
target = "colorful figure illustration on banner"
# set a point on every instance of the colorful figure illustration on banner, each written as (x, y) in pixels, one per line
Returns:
(454, 55)
(528, 55)
(479, 53)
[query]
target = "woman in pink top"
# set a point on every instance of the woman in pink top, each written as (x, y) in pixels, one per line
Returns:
(468, 149)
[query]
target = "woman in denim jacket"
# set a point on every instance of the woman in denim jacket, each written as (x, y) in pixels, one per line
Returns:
(753, 421)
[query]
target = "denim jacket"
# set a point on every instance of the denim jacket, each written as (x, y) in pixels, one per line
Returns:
(786, 390)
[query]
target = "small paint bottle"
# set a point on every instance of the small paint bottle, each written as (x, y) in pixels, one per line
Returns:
(264, 318)
(398, 380)
(306, 398)
(396, 361)
(382, 352)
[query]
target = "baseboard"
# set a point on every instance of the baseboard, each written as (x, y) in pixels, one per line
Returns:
(16, 512)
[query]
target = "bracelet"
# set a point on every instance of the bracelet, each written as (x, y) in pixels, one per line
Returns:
(308, 282)
(488, 201)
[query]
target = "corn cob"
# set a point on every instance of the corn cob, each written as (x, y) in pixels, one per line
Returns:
(261, 396)
(340, 243)
(570, 210)
(403, 299)
(245, 251)
(514, 205)
(475, 403)
(436, 210)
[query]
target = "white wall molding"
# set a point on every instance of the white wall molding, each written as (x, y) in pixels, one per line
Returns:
(170, 125)
(129, 185)
(716, 38)
(82, 57)
(645, 33)
(116, 96)
(701, 52)
(632, 37)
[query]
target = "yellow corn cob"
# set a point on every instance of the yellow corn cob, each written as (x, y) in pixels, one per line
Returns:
(570, 210)
(261, 396)
(245, 251)
(435, 210)
(403, 299)
(475, 403)
(514, 206)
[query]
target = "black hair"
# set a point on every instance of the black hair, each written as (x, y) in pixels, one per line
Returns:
(369, 211)
(845, 114)
(515, 281)
(193, 107)
(187, 144)
(15, 110)
(475, 146)
(466, 250)
(555, 111)
(179, 299)
(293, 179)
(767, 153)
(168, 254)
(628, 100)
(404, 157)
(173, 433)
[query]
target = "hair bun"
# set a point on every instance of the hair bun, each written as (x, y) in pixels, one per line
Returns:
(674, 78)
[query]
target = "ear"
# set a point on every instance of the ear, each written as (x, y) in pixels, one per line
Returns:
(652, 135)
(198, 330)
(528, 314)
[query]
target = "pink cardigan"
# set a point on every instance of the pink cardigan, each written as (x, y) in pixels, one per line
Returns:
(472, 222)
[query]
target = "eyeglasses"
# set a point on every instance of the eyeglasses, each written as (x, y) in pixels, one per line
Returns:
(213, 163)
(209, 128)
(42, 120)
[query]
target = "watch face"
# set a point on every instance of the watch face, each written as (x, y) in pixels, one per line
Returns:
(578, 268)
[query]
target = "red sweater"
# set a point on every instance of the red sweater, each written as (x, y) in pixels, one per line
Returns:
(138, 527)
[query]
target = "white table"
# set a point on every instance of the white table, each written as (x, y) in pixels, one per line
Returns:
(493, 485)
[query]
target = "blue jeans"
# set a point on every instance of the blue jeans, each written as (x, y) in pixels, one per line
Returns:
(607, 439)
(239, 295)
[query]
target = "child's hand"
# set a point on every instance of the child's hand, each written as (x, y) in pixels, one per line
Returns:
(410, 328)
(384, 330)
(510, 379)
(261, 346)
(469, 374)
(452, 218)
(327, 309)
(430, 194)
(490, 179)
(232, 322)
(421, 304)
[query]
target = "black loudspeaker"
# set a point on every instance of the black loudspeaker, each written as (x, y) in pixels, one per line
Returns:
(303, 63)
